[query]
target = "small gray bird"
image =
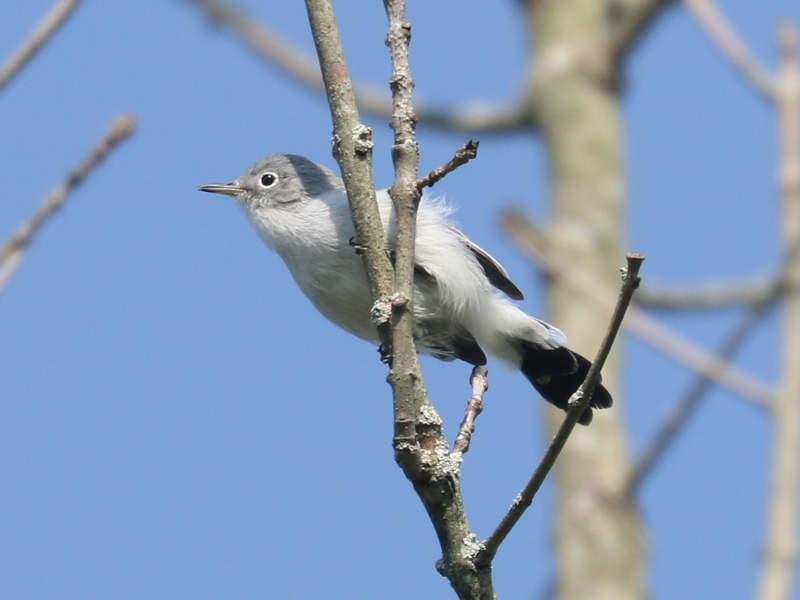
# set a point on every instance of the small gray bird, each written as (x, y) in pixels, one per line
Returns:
(300, 210)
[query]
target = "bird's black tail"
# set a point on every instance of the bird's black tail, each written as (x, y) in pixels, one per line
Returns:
(557, 373)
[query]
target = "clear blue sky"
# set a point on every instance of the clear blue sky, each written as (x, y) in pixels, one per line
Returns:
(178, 422)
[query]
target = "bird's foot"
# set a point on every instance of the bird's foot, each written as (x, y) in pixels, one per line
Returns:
(356, 245)
(386, 354)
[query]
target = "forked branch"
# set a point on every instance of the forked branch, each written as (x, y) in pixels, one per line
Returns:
(421, 448)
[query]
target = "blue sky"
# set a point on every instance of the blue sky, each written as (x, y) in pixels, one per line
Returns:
(177, 420)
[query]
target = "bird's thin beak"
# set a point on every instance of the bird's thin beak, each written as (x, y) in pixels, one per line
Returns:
(229, 189)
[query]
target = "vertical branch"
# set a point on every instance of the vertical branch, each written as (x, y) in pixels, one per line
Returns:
(420, 446)
(419, 443)
(352, 149)
(405, 196)
(780, 552)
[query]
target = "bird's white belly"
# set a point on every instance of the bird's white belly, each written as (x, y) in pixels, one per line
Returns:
(339, 290)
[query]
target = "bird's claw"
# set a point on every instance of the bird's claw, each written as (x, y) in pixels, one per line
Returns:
(386, 354)
(359, 248)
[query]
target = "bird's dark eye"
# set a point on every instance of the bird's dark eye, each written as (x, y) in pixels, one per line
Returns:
(269, 179)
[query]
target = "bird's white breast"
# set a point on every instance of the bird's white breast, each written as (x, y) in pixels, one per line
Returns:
(314, 240)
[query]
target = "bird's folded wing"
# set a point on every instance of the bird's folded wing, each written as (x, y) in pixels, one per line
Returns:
(494, 271)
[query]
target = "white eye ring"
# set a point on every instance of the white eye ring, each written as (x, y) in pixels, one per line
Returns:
(268, 179)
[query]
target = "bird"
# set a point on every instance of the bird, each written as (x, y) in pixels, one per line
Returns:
(463, 298)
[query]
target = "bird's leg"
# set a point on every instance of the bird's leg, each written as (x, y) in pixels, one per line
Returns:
(385, 351)
(359, 248)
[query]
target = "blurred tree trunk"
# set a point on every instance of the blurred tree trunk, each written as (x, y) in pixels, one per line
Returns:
(598, 538)
(779, 566)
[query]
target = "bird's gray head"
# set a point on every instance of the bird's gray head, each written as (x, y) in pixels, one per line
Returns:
(278, 181)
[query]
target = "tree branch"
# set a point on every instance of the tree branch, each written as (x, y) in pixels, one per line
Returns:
(352, 149)
(707, 295)
(43, 31)
(405, 376)
(630, 20)
(435, 480)
(731, 46)
(479, 381)
(420, 446)
(577, 404)
(667, 432)
(462, 156)
(13, 248)
(298, 66)
(533, 243)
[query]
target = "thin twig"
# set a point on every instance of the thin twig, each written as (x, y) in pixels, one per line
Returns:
(296, 64)
(731, 46)
(44, 30)
(577, 404)
(462, 156)
(479, 381)
(531, 241)
(12, 249)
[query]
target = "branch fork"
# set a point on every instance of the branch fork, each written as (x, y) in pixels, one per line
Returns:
(421, 449)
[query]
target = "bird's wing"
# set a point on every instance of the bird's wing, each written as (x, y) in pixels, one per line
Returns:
(493, 270)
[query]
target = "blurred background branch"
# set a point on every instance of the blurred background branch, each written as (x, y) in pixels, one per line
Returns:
(49, 24)
(630, 20)
(533, 242)
(779, 567)
(270, 45)
(13, 248)
(731, 46)
(665, 435)
(577, 404)
(570, 62)
(707, 294)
